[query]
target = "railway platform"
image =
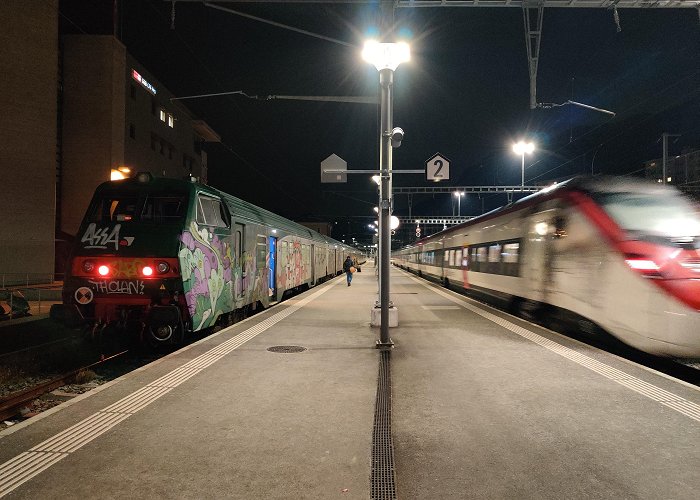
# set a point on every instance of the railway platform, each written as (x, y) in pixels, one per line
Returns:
(290, 404)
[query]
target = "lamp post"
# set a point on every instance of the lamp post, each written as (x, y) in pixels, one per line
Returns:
(386, 57)
(458, 195)
(521, 148)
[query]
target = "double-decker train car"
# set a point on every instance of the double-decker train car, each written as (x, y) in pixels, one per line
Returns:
(166, 257)
(613, 253)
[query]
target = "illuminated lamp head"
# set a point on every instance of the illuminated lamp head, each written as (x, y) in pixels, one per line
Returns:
(144, 177)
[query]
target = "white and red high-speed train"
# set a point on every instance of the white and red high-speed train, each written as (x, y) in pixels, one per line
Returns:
(621, 253)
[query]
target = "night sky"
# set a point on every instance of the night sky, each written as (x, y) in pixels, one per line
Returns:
(465, 94)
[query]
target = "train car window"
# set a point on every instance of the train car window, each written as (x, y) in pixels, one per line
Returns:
(458, 257)
(465, 258)
(260, 251)
(495, 253)
(482, 254)
(452, 258)
(510, 252)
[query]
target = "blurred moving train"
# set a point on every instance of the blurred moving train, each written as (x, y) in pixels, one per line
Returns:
(167, 257)
(618, 254)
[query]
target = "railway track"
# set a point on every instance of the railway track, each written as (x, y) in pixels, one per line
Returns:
(11, 404)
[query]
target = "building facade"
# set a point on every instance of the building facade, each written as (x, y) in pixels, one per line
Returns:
(28, 137)
(682, 171)
(78, 110)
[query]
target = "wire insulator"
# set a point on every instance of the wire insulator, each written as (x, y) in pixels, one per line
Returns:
(616, 17)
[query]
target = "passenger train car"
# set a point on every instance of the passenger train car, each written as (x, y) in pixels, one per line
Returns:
(166, 257)
(619, 254)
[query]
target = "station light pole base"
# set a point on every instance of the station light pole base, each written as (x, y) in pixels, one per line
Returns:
(385, 346)
(377, 316)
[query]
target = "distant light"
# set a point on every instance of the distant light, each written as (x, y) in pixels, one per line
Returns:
(274, 231)
(147, 271)
(116, 175)
(458, 194)
(668, 179)
(386, 55)
(376, 210)
(377, 179)
(103, 270)
(395, 222)
(541, 228)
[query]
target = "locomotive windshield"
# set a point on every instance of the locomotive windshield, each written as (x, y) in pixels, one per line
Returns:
(668, 215)
(159, 208)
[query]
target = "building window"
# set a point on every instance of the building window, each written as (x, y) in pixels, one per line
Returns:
(162, 115)
(171, 121)
(133, 92)
(132, 131)
(187, 163)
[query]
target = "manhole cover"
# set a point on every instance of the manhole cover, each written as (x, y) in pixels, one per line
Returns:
(286, 348)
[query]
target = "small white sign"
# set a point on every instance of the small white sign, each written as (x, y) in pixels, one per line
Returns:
(437, 168)
(338, 165)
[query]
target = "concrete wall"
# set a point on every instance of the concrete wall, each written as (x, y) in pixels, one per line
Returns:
(28, 96)
(93, 120)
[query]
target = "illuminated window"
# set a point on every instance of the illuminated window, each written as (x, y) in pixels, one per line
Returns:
(162, 115)
(171, 121)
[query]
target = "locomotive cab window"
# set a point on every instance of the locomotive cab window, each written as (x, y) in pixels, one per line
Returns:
(164, 209)
(114, 209)
(210, 212)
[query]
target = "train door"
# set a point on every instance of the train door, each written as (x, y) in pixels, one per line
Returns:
(539, 255)
(238, 255)
(313, 265)
(272, 270)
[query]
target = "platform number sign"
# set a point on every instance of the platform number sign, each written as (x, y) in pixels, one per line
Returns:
(437, 168)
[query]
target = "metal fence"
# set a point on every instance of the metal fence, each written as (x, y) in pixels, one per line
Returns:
(26, 279)
(28, 294)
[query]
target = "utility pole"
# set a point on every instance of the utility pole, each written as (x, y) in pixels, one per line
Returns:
(664, 139)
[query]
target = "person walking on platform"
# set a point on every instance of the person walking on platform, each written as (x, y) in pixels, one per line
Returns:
(349, 268)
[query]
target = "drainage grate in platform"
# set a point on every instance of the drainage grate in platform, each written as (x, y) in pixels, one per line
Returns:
(383, 479)
(287, 349)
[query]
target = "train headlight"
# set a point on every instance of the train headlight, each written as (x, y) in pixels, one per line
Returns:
(88, 266)
(147, 270)
(103, 270)
(163, 267)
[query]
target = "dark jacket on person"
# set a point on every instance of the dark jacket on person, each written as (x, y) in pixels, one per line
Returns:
(347, 264)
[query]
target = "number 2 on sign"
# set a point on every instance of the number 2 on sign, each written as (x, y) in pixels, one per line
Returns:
(438, 164)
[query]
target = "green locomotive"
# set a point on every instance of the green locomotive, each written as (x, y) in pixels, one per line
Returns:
(166, 257)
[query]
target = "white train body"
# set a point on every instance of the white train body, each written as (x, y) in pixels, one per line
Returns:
(622, 254)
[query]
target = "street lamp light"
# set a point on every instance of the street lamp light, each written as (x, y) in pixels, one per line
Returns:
(458, 195)
(521, 148)
(386, 57)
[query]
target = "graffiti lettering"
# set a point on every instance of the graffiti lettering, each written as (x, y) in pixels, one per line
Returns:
(100, 238)
(123, 287)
